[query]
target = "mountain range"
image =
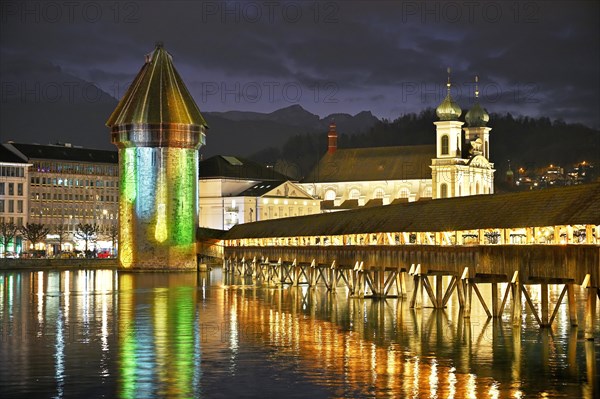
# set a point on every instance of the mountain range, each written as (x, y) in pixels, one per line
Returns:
(50, 105)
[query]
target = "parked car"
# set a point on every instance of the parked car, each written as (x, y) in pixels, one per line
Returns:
(104, 254)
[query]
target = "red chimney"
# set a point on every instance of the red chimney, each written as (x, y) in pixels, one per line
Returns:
(332, 138)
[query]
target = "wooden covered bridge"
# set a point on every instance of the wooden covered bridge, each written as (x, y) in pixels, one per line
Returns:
(528, 238)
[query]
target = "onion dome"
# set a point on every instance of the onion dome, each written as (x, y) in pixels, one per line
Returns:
(476, 116)
(448, 110)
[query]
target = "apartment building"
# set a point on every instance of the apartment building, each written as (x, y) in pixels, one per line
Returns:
(68, 185)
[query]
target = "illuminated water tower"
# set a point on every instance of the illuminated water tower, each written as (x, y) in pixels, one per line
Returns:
(158, 129)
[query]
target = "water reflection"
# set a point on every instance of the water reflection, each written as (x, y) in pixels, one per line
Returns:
(108, 334)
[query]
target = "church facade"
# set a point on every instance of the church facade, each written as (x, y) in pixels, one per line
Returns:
(457, 165)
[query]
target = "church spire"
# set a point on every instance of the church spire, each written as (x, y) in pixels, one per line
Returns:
(448, 110)
(477, 116)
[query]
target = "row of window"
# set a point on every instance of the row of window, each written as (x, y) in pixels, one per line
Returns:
(18, 221)
(73, 197)
(11, 188)
(75, 168)
(9, 206)
(70, 213)
(379, 192)
(60, 182)
(12, 171)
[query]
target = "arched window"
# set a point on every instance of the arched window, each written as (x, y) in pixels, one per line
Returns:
(354, 194)
(444, 190)
(330, 195)
(445, 148)
(378, 193)
(404, 193)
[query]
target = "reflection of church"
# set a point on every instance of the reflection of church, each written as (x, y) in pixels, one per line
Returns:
(354, 177)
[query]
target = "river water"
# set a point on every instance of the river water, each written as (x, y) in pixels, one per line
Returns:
(102, 333)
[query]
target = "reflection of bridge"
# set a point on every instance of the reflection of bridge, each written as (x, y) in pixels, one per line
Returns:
(383, 348)
(535, 238)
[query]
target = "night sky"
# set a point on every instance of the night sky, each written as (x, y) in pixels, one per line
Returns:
(533, 58)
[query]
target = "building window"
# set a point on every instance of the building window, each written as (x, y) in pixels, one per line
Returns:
(330, 195)
(20, 206)
(11, 206)
(487, 150)
(20, 189)
(427, 192)
(445, 145)
(404, 193)
(11, 188)
(444, 190)
(354, 194)
(378, 193)
(2, 189)
(1, 206)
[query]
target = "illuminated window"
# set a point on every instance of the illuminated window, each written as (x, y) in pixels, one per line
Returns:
(427, 192)
(404, 193)
(378, 193)
(445, 141)
(444, 190)
(330, 195)
(354, 194)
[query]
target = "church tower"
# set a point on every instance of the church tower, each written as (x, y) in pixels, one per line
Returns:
(444, 170)
(477, 136)
(476, 119)
(158, 129)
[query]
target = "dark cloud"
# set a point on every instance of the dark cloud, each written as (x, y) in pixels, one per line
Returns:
(385, 56)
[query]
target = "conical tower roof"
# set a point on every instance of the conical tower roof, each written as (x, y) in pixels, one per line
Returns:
(157, 95)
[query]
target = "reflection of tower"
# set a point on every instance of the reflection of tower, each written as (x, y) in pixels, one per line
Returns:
(158, 130)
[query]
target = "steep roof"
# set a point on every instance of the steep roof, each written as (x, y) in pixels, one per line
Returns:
(557, 206)
(377, 163)
(157, 95)
(222, 166)
(8, 156)
(61, 152)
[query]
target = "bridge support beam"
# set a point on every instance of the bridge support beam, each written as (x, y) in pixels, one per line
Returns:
(572, 304)
(590, 312)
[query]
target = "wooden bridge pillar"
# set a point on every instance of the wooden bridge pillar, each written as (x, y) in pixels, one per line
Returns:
(401, 283)
(438, 292)
(590, 312)
(495, 307)
(544, 294)
(517, 307)
(572, 304)
(468, 291)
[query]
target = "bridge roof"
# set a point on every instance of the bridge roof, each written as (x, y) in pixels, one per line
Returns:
(557, 206)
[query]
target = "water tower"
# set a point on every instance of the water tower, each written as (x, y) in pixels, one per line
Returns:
(158, 129)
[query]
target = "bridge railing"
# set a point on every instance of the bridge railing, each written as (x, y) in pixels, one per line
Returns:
(533, 262)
